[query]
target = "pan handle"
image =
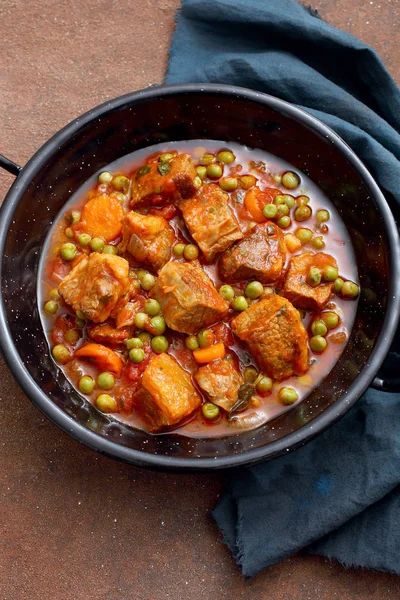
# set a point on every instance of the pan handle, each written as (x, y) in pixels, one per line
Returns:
(386, 385)
(9, 165)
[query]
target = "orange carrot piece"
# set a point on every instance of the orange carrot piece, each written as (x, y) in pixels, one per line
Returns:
(102, 356)
(101, 217)
(256, 199)
(205, 355)
(292, 243)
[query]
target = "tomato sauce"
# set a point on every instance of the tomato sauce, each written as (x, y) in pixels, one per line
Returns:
(248, 161)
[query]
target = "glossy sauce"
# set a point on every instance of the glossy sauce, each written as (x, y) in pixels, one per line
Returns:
(337, 243)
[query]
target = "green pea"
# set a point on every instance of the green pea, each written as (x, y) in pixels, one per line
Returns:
(144, 336)
(284, 222)
(228, 184)
(105, 177)
(152, 307)
(264, 385)
(80, 315)
(288, 395)
(279, 199)
(302, 200)
(302, 213)
(319, 328)
(61, 354)
(226, 156)
(136, 355)
(239, 303)
(86, 384)
(207, 158)
(159, 343)
(318, 343)
(210, 411)
(134, 342)
(106, 380)
(71, 336)
(318, 242)
(304, 235)
(277, 178)
(165, 157)
(201, 172)
(282, 210)
(331, 319)
(289, 201)
(120, 183)
(250, 374)
(205, 338)
(350, 290)
(178, 249)
(74, 217)
(191, 342)
(68, 251)
(140, 273)
(227, 292)
(270, 211)
(119, 196)
(69, 233)
(106, 403)
(247, 181)
(51, 307)
(337, 286)
(80, 323)
(84, 239)
(330, 274)
(322, 216)
(96, 244)
(147, 281)
(141, 320)
(109, 249)
(158, 325)
(314, 276)
(290, 180)
(54, 295)
(191, 252)
(214, 171)
(254, 289)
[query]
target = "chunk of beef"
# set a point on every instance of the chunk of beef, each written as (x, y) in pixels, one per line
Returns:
(260, 255)
(298, 291)
(221, 381)
(275, 335)
(188, 298)
(106, 333)
(167, 395)
(148, 239)
(175, 181)
(96, 285)
(210, 220)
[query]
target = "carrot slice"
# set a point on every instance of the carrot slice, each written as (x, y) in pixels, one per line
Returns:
(101, 217)
(102, 356)
(256, 199)
(205, 355)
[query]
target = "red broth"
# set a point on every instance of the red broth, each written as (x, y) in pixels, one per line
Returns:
(337, 244)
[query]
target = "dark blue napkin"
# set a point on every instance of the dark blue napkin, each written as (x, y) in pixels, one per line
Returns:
(339, 496)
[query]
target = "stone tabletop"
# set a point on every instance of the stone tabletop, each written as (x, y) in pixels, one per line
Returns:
(76, 525)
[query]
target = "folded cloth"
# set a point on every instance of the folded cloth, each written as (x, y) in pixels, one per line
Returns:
(339, 496)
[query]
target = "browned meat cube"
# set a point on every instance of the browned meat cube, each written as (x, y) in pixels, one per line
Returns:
(260, 255)
(96, 285)
(167, 395)
(210, 220)
(275, 335)
(106, 333)
(174, 179)
(147, 238)
(188, 298)
(221, 381)
(296, 288)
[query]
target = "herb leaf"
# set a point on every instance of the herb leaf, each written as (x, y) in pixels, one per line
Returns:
(246, 392)
(143, 171)
(163, 168)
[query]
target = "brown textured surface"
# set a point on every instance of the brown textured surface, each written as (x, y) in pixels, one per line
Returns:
(75, 524)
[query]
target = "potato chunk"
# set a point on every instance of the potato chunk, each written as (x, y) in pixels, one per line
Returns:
(176, 183)
(148, 239)
(188, 298)
(210, 220)
(167, 394)
(275, 335)
(296, 288)
(96, 284)
(260, 255)
(221, 381)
